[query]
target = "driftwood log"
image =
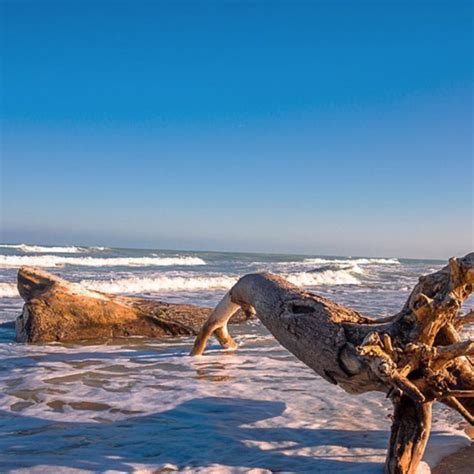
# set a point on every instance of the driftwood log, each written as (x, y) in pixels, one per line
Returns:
(416, 356)
(57, 310)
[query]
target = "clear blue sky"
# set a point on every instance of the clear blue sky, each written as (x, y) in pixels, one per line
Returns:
(318, 127)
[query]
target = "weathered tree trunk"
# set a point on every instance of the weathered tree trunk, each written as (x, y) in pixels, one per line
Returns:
(410, 432)
(56, 310)
(415, 356)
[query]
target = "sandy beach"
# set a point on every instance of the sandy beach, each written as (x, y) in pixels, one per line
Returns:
(461, 462)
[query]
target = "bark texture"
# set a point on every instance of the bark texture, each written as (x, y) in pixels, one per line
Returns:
(415, 357)
(56, 310)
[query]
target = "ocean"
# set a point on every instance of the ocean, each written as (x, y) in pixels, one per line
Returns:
(143, 405)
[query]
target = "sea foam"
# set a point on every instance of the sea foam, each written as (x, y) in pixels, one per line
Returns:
(93, 407)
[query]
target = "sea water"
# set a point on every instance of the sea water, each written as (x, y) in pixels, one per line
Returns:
(142, 405)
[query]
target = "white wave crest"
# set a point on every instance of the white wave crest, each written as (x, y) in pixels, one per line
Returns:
(41, 249)
(353, 261)
(8, 290)
(328, 277)
(56, 260)
(172, 283)
(135, 285)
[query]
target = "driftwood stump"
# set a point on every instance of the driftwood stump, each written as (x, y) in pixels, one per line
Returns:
(415, 356)
(57, 310)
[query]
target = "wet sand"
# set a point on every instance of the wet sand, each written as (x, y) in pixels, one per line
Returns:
(461, 462)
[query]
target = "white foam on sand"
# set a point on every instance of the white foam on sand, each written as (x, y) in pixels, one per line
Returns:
(149, 405)
(56, 260)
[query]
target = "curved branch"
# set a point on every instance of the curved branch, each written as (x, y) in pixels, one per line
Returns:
(217, 324)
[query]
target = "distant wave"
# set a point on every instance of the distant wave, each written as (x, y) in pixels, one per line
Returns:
(327, 277)
(56, 260)
(321, 264)
(41, 249)
(355, 261)
(8, 290)
(341, 268)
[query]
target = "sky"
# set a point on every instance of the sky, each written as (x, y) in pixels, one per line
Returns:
(331, 128)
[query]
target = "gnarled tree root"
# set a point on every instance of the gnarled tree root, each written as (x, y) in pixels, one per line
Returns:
(415, 357)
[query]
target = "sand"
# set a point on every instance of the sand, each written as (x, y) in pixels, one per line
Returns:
(460, 462)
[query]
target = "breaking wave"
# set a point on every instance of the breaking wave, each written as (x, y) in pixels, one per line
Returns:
(172, 283)
(330, 274)
(327, 277)
(41, 249)
(160, 283)
(353, 261)
(339, 267)
(134, 285)
(56, 260)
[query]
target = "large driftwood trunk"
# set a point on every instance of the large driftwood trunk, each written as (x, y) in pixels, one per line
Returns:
(56, 310)
(415, 356)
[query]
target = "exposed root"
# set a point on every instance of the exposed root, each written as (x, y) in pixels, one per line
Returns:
(465, 320)
(460, 408)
